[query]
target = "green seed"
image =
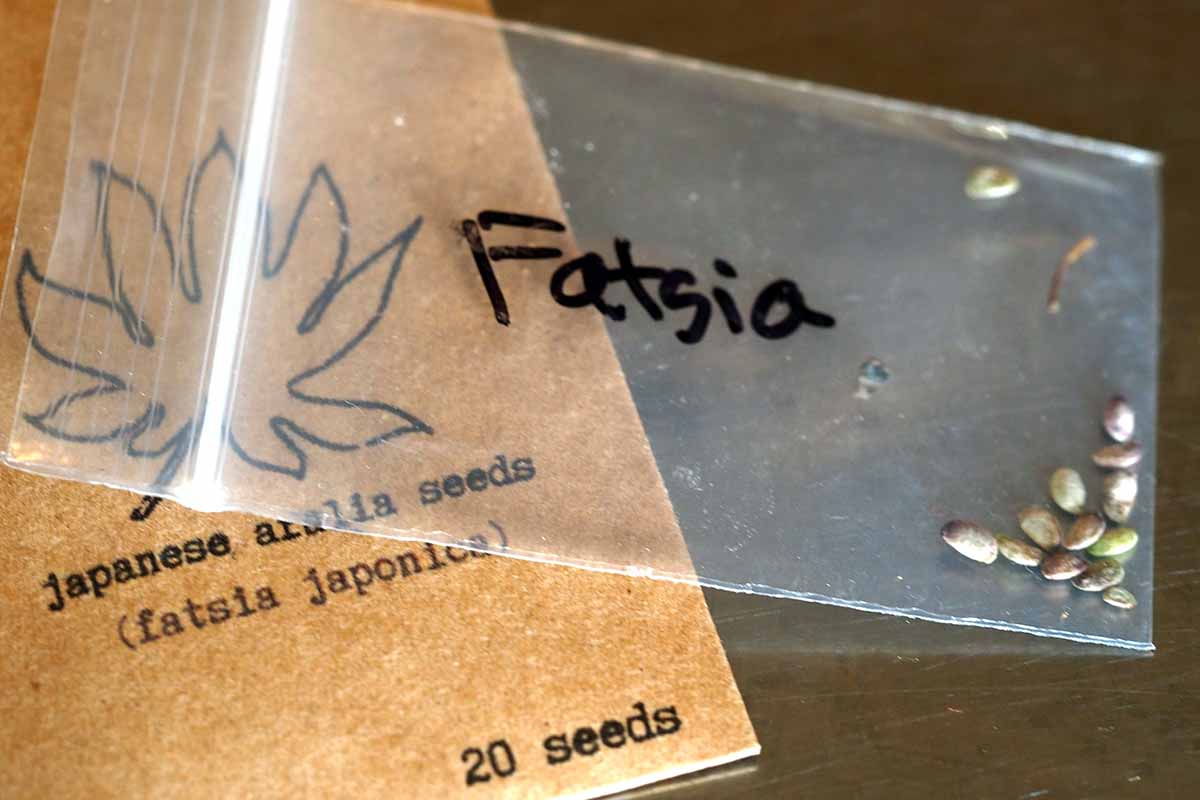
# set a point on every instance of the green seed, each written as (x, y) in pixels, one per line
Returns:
(1100, 575)
(1019, 552)
(992, 183)
(1068, 491)
(971, 540)
(1084, 532)
(1119, 597)
(1115, 542)
(1125, 557)
(1041, 526)
(1063, 566)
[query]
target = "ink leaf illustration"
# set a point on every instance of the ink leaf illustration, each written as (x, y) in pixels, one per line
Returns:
(122, 338)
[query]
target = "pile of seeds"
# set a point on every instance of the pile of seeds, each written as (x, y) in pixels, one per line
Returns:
(1059, 555)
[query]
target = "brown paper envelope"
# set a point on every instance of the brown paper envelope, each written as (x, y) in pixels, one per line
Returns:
(219, 676)
(409, 685)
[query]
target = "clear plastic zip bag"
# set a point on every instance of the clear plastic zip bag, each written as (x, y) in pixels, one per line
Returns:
(424, 275)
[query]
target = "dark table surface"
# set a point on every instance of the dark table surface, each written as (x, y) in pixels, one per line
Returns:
(849, 704)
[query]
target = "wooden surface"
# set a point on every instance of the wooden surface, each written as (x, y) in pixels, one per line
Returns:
(856, 705)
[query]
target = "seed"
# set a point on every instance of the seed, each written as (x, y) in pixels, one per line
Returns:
(1121, 486)
(1119, 597)
(1118, 511)
(1067, 489)
(973, 541)
(1118, 419)
(1118, 456)
(1123, 558)
(1100, 575)
(1120, 494)
(992, 183)
(1019, 552)
(1084, 532)
(1041, 526)
(1063, 566)
(1115, 542)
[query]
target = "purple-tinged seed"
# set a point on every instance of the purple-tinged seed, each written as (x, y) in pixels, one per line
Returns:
(1118, 419)
(1118, 456)
(1084, 532)
(1063, 566)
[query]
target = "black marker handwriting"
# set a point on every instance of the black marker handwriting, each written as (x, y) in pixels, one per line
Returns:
(781, 299)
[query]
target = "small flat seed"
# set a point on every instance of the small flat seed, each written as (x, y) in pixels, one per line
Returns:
(1120, 495)
(1118, 456)
(1067, 490)
(991, 183)
(1118, 511)
(1041, 526)
(1115, 542)
(1019, 552)
(1121, 486)
(1123, 557)
(1063, 566)
(1118, 419)
(1121, 598)
(971, 540)
(1084, 532)
(1100, 575)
